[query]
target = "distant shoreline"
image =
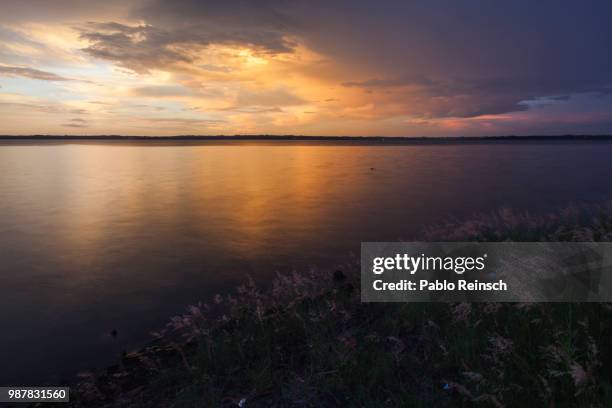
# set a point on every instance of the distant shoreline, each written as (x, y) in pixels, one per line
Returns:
(294, 138)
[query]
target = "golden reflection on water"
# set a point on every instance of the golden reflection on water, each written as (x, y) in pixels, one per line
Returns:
(94, 204)
(117, 197)
(127, 200)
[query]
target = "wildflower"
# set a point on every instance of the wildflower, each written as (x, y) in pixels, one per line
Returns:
(232, 300)
(500, 345)
(473, 376)
(298, 279)
(443, 348)
(555, 353)
(195, 311)
(348, 342)
(157, 335)
(491, 308)
(461, 312)
(147, 363)
(259, 310)
(593, 350)
(432, 324)
(459, 388)
(398, 346)
(579, 375)
(176, 323)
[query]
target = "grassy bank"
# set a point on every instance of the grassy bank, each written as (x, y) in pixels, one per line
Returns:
(310, 342)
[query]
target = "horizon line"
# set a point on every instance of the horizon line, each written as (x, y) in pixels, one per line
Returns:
(289, 137)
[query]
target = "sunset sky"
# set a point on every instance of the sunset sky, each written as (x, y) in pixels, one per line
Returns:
(312, 67)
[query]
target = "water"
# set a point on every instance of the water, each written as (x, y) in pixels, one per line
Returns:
(102, 236)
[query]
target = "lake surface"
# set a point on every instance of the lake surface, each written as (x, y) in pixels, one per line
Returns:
(102, 236)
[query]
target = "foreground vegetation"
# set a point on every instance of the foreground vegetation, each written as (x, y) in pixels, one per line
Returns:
(310, 342)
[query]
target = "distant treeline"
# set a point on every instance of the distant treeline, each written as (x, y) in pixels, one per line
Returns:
(318, 138)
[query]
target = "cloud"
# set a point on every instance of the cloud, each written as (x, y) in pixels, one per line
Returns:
(175, 32)
(43, 108)
(253, 109)
(264, 24)
(49, 108)
(391, 82)
(420, 62)
(139, 48)
(273, 97)
(470, 97)
(74, 125)
(160, 91)
(31, 73)
(179, 124)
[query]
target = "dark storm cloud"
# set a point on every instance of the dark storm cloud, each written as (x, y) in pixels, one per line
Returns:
(475, 97)
(263, 23)
(490, 56)
(390, 82)
(31, 73)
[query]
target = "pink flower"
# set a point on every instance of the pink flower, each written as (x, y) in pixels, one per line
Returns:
(579, 375)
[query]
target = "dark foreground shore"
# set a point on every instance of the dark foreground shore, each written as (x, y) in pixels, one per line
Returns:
(310, 342)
